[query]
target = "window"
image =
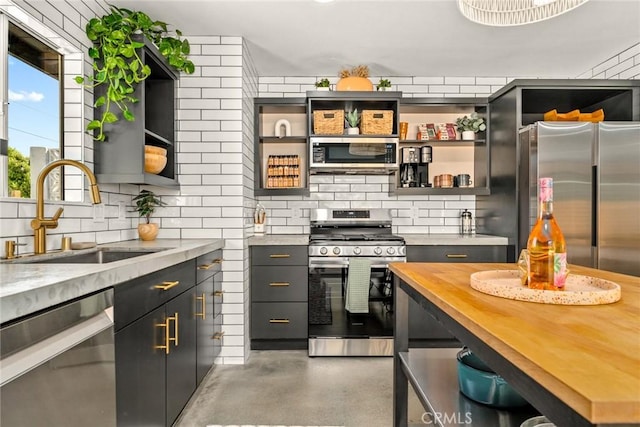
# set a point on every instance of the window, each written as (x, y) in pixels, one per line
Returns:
(41, 117)
(33, 113)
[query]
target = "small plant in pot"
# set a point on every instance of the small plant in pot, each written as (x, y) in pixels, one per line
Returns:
(352, 119)
(323, 84)
(383, 85)
(146, 203)
(470, 125)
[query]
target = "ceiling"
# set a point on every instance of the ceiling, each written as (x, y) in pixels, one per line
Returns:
(404, 37)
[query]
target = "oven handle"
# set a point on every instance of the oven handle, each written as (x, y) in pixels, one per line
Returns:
(344, 263)
(30, 358)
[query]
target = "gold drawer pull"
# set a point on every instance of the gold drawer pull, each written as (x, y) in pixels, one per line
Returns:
(456, 255)
(218, 294)
(279, 256)
(208, 266)
(203, 300)
(165, 286)
(278, 320)
(279, 284)
(217, 335)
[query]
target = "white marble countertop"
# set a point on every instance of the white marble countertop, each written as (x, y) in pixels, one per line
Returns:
(410, 239)
(279, 239)
(27, 288)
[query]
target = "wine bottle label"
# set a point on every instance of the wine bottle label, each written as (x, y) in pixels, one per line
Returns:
(560, 269)
(546, 189)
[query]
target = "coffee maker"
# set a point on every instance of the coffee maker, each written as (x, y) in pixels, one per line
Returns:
(423, 169)
(410, 161)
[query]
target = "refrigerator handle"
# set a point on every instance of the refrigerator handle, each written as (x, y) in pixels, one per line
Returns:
(594, 206)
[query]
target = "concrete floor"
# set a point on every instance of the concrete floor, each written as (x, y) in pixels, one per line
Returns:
(290, 388)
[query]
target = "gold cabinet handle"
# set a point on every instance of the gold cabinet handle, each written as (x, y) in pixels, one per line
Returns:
(456, 255)
(219, 294)
(165, 286)
(208, 266)
(175, 329)
(279, 256)
(203, 300)
(217, 335)
(278, 320)
(164, 325)
(279, 284)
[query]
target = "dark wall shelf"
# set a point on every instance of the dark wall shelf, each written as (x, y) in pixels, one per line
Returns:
(121, 158)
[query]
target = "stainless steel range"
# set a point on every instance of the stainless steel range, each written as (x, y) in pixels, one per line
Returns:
(350, 287)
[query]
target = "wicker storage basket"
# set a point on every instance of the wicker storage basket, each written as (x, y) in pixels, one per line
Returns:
(376, 122)
(328, 122)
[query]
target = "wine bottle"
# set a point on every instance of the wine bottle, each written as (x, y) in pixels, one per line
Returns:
(546, 245)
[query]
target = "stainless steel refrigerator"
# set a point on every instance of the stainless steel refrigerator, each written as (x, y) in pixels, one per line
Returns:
(596, 189)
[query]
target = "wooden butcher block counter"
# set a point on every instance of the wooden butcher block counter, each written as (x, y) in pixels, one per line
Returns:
(578, 365)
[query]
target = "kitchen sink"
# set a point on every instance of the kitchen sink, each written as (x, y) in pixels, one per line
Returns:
(101, 256)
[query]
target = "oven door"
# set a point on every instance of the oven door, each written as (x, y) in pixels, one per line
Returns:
(376, 154)
(334, 330)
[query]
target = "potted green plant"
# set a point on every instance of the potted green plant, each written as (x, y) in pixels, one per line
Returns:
(352, 119)
(118, 68)
(146, 203)
(470, 125)
(323, 84)
(383, 85)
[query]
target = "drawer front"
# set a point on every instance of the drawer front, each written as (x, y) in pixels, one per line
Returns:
(208, 264)
(217, 337)
(457, 253)
(283, 320)
(288, 283)
(135, 298)
(280, 255)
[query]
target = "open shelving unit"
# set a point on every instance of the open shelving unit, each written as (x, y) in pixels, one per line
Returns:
(268, 112)
(454, 156)
(120, 159)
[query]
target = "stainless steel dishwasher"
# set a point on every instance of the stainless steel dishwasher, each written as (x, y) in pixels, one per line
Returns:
(57, 367)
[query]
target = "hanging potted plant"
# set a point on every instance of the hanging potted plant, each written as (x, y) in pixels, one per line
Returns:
(352, 120)
(356, 78)
(118, 68)
(146, 203)
(470, 125)
(323, 84)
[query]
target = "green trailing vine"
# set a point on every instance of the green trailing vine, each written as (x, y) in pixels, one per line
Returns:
(117, 64)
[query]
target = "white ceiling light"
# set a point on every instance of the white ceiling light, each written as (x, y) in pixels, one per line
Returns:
(503, 13)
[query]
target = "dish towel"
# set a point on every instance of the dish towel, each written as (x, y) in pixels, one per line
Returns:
(358, 278)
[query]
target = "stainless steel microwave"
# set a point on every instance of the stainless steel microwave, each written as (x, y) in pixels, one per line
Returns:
(353, 154)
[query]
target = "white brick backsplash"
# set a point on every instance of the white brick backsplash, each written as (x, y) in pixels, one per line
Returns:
(460, 80)
(428, 80)
(222, 71)
(444, 89)
(199, 104)
(231, 61)
(206, 61)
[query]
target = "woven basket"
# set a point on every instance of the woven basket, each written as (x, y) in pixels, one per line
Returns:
(376, 122)
(328, 122)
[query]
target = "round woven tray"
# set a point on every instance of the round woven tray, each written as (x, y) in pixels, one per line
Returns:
(579, 290)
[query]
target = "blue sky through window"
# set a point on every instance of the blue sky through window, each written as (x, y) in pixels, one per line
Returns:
(34, 107)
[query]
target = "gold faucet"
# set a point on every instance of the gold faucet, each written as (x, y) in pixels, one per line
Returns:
(40, 223)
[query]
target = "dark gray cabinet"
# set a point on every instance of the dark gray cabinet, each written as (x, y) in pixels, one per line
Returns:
(279, 295)
(208, 304)
(121, 158)
(424, 329)
(155, 343)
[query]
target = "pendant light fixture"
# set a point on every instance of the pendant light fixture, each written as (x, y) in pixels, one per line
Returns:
(504, 13)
